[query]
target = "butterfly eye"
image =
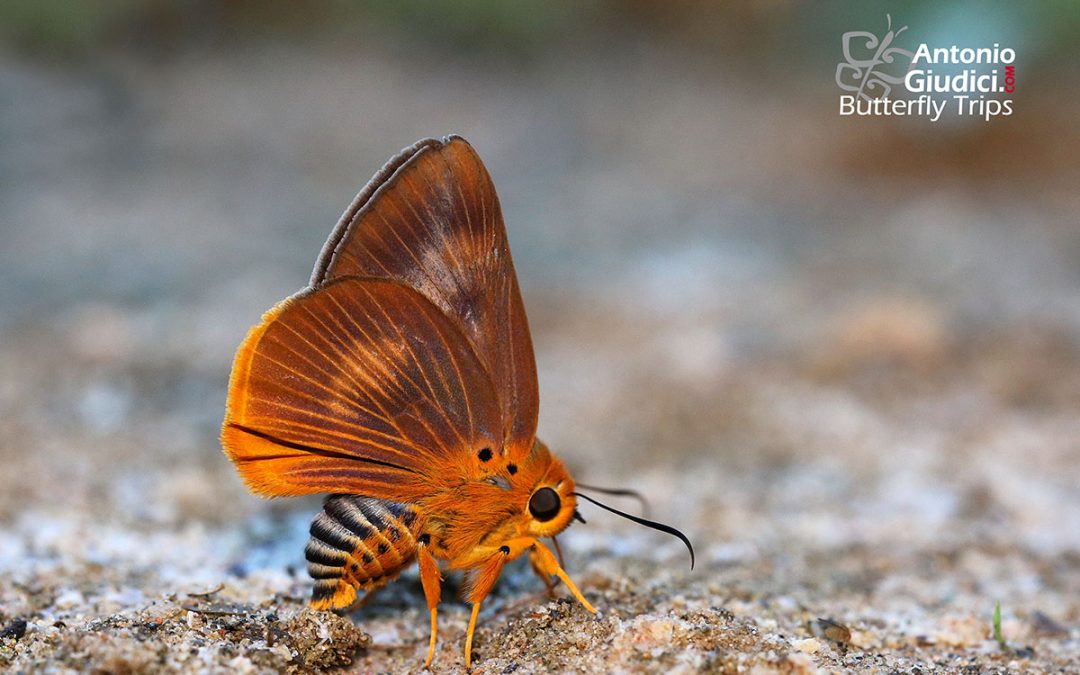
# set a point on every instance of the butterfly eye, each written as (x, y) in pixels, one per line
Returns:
(544, 504)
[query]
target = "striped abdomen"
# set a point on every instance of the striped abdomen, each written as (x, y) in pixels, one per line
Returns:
(358, 543)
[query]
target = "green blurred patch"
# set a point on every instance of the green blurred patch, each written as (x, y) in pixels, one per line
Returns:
(517, 26)
(759, 31)
(62, 26)
(72, 28)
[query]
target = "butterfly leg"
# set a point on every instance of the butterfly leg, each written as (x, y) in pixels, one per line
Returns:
(545, 562)
(482, 583)
(558, 551)
(430, 579)
(546, 578)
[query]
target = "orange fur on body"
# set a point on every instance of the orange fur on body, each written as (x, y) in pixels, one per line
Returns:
(472, 515)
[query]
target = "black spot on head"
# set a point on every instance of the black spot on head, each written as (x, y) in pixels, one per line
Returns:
(505, 550)
(484, 455)
(424, 539)
(383, 548)
(544, 504)
(512, 468)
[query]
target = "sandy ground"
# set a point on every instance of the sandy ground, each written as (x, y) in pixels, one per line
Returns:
(856, 392)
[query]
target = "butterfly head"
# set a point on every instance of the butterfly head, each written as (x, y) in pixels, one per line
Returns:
(551, 504)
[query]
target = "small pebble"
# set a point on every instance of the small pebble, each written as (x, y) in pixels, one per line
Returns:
(807, 646)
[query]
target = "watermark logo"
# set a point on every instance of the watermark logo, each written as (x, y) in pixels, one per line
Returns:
(886, 79)
(869, 77)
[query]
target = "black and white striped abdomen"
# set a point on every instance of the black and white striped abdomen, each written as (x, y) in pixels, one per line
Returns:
(358, 543)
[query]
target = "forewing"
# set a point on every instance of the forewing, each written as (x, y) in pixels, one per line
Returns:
(361, 386)
(431, 220)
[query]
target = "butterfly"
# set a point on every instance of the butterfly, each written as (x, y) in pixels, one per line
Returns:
(402, 382)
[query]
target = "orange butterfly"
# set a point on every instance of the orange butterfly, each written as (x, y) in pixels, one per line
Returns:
(402, 381)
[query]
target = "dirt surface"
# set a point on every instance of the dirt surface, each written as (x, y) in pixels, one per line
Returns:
(852, 383)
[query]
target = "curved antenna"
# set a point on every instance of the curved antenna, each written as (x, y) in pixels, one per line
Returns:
(620, 492)
(647, 523)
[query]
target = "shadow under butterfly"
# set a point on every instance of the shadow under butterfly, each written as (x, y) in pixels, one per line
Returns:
(402, 382)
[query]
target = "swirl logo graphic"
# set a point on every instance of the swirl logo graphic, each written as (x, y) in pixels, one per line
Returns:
(870, 78)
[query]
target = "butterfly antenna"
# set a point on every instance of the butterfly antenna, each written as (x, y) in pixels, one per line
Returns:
(620, 492)
(647, 523)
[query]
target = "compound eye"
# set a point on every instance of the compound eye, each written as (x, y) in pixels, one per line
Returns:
(544, 504)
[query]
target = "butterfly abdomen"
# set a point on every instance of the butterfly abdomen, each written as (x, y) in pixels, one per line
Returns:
(358, 544)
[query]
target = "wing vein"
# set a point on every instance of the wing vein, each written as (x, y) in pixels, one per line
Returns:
(329, 454)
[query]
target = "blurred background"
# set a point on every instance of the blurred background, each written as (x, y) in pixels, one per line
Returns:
(790, 329)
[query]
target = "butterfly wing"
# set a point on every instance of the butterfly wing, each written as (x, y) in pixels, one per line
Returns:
(430, 219)
(360, 386)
